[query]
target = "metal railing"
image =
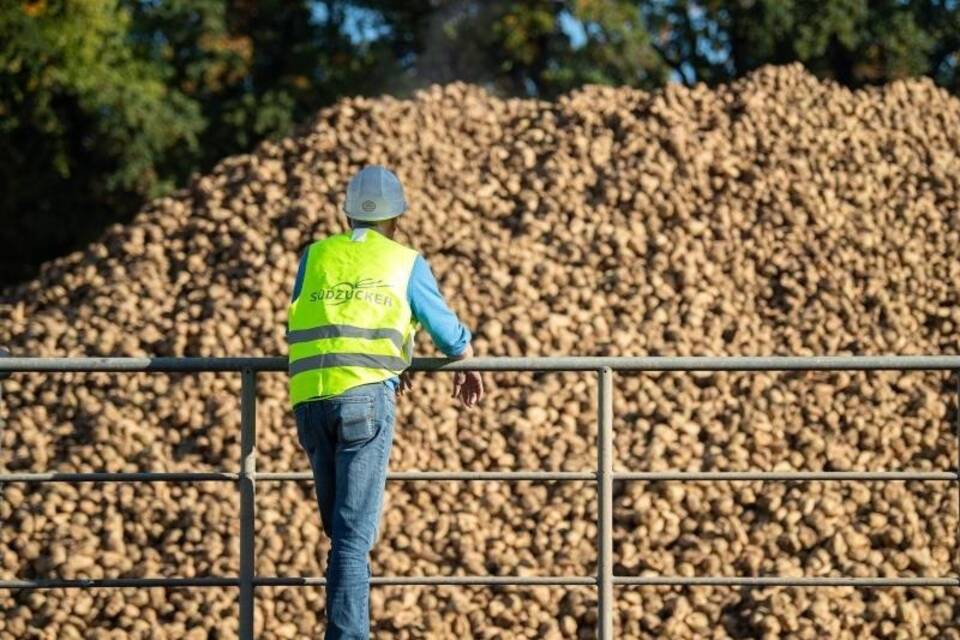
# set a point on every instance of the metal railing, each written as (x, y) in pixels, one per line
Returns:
(604, 475)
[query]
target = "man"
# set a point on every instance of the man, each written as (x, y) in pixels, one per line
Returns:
(357, 301)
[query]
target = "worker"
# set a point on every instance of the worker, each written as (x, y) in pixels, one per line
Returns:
(357, 301)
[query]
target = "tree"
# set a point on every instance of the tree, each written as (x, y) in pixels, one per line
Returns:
(545, 47)
(105, 103)
(855, 42)
(255, 68)
(520, 48)
(82, 123)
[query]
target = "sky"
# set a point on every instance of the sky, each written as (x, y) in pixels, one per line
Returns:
(362, 25)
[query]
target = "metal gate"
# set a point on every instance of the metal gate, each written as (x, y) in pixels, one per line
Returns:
(604, 476)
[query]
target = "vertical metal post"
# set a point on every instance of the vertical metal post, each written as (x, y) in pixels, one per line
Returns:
(3, 376)
(605, 505)
(956, 417)
(248, 503)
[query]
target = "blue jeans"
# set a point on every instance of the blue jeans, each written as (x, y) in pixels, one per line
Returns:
(348, 440)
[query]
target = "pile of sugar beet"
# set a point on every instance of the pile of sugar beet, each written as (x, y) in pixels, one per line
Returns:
(777, 215)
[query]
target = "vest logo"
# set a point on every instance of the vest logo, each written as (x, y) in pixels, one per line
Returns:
(363, 289)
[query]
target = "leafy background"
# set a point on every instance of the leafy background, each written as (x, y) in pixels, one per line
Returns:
(107, 103)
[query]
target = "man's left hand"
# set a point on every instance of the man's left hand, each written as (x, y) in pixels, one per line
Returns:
(406, 383)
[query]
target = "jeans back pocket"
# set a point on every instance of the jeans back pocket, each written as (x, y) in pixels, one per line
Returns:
(356, 419)
(302, 415)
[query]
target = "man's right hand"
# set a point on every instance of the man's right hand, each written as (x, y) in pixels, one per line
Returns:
(467, 385)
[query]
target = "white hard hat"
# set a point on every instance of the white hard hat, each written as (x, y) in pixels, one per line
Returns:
(374, 194)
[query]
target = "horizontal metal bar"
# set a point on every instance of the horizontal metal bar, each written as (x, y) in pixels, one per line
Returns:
(506, 476)
(305, 581)
(567, 363)
(693, 476)
(510, 476)
(588, 581)
(144, 476)
(304, 476)
(119, 583)
(129, 365)
(439, 581)
(784, 581)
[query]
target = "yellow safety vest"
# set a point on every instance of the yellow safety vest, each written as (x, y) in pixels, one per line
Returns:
(351, 323)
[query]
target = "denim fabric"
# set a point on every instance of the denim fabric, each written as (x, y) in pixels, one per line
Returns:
(348, 439)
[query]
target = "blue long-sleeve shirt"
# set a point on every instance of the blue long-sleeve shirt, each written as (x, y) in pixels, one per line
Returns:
(428, 306)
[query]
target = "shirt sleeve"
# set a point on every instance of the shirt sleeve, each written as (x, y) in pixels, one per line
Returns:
(431, 310)
(298, 283)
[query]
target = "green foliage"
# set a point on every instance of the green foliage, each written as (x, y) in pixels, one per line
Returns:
(253, 68)
(82, 121)
(618, 48)
(104, 103)
(521, 48)
(853, 41)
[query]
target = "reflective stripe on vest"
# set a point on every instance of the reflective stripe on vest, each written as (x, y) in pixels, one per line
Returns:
(326, 360)
(344, 331)
(351, 323)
